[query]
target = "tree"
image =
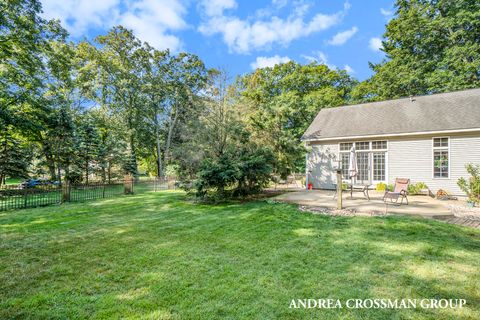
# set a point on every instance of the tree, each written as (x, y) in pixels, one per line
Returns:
(112, 148)
(157, 94)
(222, 159)
(62, 100)
(88, 146)
(14, 159)
(187, 76)
(119, 80)
(24, 38)
(25, 42)
(281, 102)
(61, 141)
(431, 47)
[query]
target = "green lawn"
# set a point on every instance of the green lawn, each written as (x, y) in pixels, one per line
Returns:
(154, 255)
(10, 181)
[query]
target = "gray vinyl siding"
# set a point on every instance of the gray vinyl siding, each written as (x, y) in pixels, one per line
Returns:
(321, 161)
(408, 157)
(413, 158)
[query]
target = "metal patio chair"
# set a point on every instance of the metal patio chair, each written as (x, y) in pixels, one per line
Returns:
(399, 192)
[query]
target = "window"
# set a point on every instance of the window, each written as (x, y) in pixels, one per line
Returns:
(441, 157)
(440, 142)
(344, 162)
(379, 145)
(362, 145)
(379, 166)
(371, 160)
(363, 167)
(345, 146)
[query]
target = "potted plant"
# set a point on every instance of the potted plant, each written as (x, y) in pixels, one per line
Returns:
(471, 186)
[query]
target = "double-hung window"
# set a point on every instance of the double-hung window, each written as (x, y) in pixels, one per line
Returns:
(441, 156)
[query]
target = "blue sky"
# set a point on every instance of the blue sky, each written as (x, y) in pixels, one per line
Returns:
(241, 35)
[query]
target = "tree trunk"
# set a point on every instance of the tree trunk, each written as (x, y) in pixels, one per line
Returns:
(67, 172)
(159, 153)
(133, 157)
(104, 173)
(51, 166)
(169, 136)
(159, 159)
(86, 171)
(109, 171)
(59, 175)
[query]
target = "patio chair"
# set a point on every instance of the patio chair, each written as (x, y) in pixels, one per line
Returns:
(399, 192)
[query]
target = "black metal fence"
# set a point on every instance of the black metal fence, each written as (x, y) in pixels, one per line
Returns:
(16, 197)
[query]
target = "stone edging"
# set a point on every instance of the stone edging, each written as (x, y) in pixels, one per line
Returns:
(465, 212)
(327, 211)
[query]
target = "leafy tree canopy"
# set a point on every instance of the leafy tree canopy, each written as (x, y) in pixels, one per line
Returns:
(431, 47)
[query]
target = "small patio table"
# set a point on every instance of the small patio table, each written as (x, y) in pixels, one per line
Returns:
(355, 188)
(360, 188)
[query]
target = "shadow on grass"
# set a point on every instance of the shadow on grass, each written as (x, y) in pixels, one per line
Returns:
(155, 254)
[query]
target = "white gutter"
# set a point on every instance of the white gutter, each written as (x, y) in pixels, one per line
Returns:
(394, 135)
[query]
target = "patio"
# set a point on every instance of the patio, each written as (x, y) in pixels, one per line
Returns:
(423, 206)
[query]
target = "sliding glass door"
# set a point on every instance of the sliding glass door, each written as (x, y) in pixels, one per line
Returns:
(371, 161)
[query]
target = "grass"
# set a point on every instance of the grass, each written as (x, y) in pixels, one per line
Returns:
(10, 181)
(155, 255)
(53, 195)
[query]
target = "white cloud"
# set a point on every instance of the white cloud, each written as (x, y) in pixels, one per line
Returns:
(348, 69)
(245, 35)
(216, 7)
(319, 57)
(386, 13)
(279, 3)
(375, 44)
(342, 37)
(263, 62)
(79, 15)
(151, 20)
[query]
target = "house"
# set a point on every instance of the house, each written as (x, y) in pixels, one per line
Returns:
(428, 139)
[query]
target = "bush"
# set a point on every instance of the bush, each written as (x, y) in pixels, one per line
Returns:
(236, 173)
(381, 186)
(471, 186)
(416, 188)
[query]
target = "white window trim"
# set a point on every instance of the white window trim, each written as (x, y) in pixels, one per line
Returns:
(433, 157)
(370, 151)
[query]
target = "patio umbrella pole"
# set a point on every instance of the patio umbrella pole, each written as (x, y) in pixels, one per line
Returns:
(352, 168)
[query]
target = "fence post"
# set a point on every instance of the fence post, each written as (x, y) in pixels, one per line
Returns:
(66, 191)
(128, 184)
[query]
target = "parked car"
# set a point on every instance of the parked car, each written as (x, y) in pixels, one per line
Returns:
(29, 183)
(32, 183)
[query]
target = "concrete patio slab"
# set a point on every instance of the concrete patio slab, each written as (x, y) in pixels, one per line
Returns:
(423, 206)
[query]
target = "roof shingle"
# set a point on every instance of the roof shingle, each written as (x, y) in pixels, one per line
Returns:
(436, 112)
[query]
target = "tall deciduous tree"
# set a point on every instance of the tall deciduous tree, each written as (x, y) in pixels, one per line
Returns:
(431, 46)
(24, 38)
(282, 101)
(119, 82)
